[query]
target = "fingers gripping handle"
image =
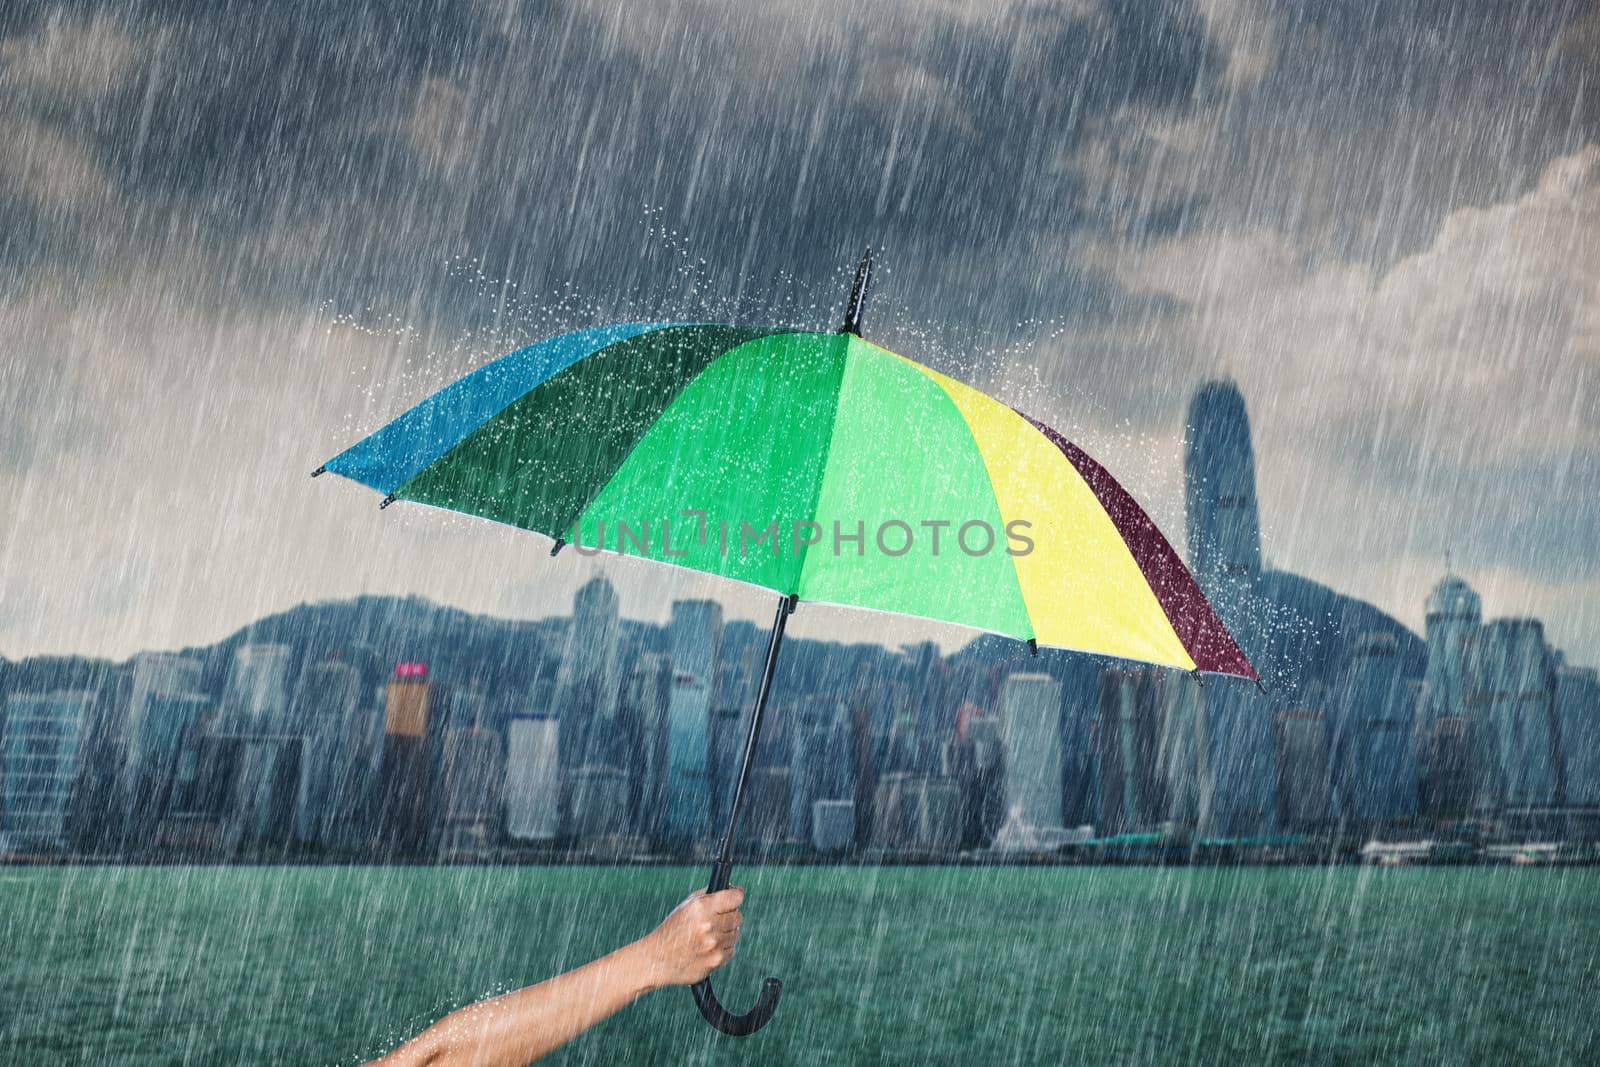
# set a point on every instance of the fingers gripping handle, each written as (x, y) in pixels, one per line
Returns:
(704, 999)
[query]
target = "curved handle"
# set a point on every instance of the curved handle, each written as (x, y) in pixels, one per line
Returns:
(704, 999)
(737, 1025)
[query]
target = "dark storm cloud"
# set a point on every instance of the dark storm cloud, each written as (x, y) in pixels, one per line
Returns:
(1378, 119)
(372, 139)
(391, 133)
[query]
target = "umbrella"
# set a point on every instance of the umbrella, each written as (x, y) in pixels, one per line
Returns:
(816, 465)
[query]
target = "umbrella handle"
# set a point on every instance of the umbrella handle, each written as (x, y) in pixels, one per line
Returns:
(737, 1025)
(704, 999)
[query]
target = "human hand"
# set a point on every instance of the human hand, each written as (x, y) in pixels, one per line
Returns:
(697, 938)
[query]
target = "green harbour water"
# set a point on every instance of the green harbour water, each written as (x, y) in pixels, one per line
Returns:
(1081, 965)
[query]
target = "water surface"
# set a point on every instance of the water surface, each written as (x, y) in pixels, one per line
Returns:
(895, 965)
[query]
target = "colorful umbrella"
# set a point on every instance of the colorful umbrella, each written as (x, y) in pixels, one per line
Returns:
(816, 465)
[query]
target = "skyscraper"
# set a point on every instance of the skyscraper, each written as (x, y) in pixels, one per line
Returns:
(474, 775)
(589, 682)
(1510, 699)
(325, 707)
(1451, 782)
(533, 778)
(648, 699)
(812, 777)
(1578, 710)
(266, 785)
(256, 701)
(169, 725)
(1454, 614)
(1372, 747)
(1234, 757)
(1031, 721)
(39, 762)
(1128, 735)
(687, 817)
(986, 801)
(407, 802)
(1222, 521)
(1237, 778)
(1302, 767)
(728, 730)
(695, 637)
(155, 675)
(598, 802)
(770, 798)
(1184, 764)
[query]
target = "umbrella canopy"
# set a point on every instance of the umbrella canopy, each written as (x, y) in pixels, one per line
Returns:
(817, 465)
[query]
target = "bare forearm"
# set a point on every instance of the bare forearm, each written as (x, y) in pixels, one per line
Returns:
(520, 1027)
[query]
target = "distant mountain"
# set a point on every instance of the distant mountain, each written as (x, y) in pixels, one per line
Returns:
(505, 656)
(506, 659)
(1312, 628)
(1296, 632)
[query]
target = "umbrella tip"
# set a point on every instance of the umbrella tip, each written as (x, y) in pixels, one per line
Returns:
(555, 549)
(320, 471)
(390, 499)
(1261, 686)
(1199, 679)
(858, 295)
(1033, 646)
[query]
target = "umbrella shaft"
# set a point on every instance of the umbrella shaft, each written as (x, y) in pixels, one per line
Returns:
(723, 867)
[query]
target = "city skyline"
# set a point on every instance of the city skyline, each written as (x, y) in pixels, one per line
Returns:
(636, 747)
(1153, 750)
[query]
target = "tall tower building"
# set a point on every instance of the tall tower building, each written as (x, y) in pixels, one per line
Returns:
(1578, 710)
(257, 697)
(1129, 736)
(155, 675)
(326, 707)
(727, 735)
(40, 756)
(686, 820)
(818, 761)
(1031, 721)
(647, 702)
(1301, 760)
(1371, 744)
(473, 772)
(1510, 699)
(169, 731)
(1454, 614)
(1219, 469)
(533, 778)
(695, 639)
(1237, 794)
(589, 683)
(406, 808)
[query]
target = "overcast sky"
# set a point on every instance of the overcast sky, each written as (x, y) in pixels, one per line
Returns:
(236, 236)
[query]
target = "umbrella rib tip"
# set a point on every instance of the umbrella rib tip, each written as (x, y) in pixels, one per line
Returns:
(320, 471)
(390, 499)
